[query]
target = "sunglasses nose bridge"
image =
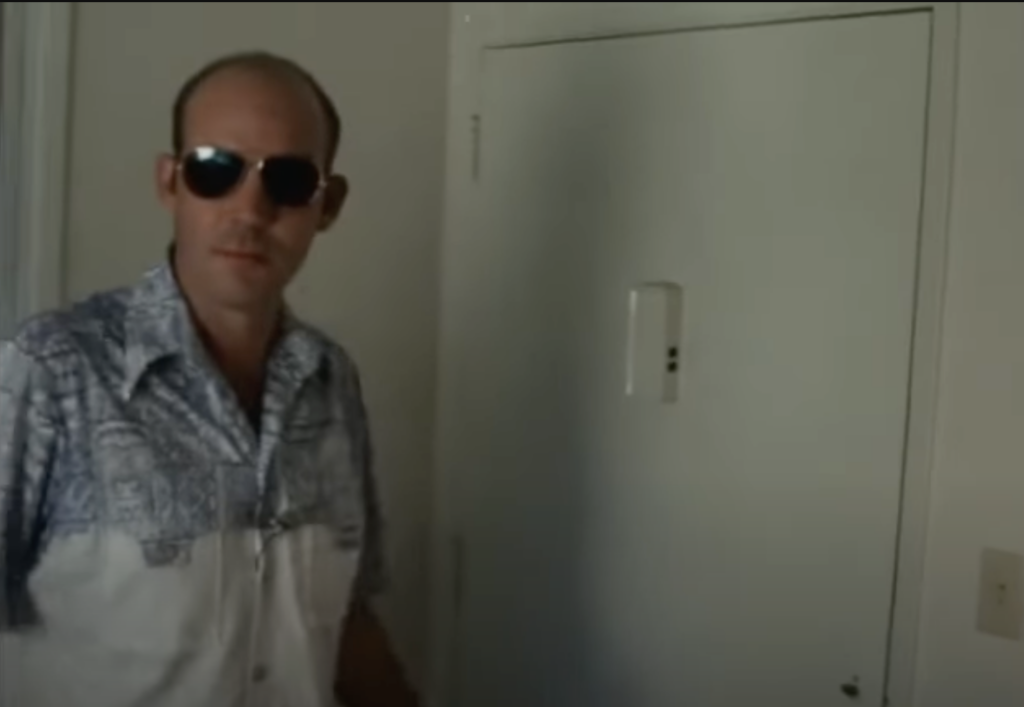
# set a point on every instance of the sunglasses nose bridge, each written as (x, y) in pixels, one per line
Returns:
(254, 205)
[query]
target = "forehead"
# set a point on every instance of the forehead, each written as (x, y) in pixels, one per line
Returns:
(256, 113)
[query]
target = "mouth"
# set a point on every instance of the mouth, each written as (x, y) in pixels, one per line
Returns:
(242, 256)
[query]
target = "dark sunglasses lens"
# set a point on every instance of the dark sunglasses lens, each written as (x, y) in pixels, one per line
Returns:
(210, 173)
(290, 181)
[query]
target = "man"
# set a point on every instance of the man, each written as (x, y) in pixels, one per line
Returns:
(187, 510)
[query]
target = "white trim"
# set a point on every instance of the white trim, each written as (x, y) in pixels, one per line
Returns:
(924, 385)
(34, 114)
(466, 31)
(524, 23)
(479, 25)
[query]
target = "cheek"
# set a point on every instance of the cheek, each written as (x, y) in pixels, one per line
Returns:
(198, 221)
(294, 235)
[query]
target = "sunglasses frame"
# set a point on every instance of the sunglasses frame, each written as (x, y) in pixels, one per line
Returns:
(247, 167)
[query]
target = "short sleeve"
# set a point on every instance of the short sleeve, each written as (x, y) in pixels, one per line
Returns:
(372, 577)
(28, 438)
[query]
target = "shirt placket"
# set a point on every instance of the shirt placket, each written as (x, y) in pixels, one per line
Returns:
(258, 667)
(260, 670)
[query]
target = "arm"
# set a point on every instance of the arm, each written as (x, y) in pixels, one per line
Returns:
(28, 434)
(369, 674)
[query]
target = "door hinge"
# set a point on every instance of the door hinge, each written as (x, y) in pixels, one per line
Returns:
(475, 158)
(458, 572)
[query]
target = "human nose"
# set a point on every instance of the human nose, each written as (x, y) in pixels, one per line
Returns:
(252, 205)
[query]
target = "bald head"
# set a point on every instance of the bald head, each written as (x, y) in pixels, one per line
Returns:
(278, 75)
(253, 110)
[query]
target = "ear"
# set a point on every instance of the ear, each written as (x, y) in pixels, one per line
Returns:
(166, 173)
(335, 194)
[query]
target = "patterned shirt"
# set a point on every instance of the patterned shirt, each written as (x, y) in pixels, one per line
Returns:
(157, 549)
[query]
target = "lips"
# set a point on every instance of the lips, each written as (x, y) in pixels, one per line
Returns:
(242, 256)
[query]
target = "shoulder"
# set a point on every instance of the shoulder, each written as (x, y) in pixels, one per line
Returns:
(341, 380)
(60, 340)
(338, 364)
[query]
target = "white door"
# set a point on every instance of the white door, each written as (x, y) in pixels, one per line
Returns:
(733, 546)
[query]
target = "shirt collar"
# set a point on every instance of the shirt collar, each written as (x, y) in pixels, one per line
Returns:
(158, 325)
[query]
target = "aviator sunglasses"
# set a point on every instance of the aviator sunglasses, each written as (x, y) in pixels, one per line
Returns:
(212, 173)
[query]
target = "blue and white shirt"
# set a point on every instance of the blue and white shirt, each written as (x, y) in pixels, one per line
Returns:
(155, 549)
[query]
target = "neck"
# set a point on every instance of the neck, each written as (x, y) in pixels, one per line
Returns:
(238, 340)
(238, 343)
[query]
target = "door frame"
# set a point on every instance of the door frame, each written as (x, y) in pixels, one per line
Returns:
(477, 26)
(35, 87)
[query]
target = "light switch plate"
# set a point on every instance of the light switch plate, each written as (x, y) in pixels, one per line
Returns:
(1001, 594)
(653, 357)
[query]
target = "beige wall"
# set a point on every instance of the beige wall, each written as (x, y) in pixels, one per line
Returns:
(978, 478)
(371, 281)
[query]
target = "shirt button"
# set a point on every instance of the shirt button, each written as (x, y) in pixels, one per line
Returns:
(259, 673)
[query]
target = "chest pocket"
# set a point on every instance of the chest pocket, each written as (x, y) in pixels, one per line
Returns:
(323, 493)
(160, 539)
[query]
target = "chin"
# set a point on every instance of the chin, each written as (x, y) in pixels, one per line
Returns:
(242, 299)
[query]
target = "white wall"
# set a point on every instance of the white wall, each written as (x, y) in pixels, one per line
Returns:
(371, 281)
(978, 477)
